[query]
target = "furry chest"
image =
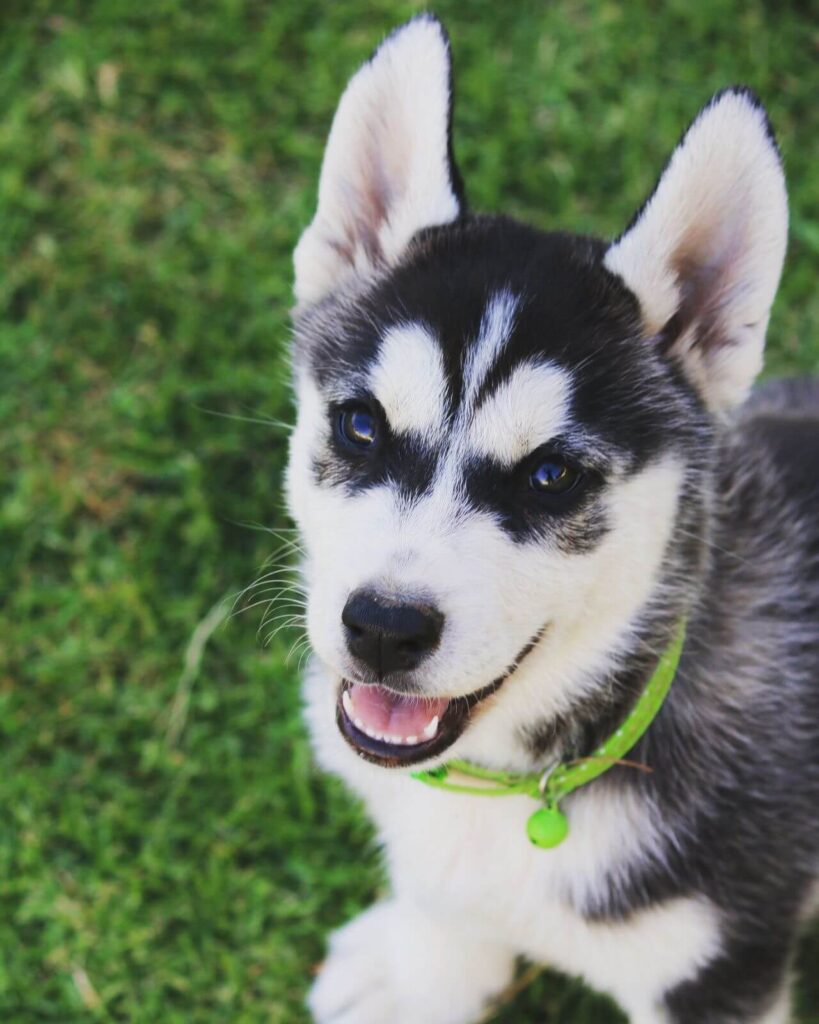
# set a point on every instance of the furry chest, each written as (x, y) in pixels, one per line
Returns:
(468, 860)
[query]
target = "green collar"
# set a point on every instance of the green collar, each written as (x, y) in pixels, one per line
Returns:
(548, 826)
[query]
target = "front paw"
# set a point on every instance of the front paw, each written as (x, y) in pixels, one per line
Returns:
(395, 965)
(353, 986)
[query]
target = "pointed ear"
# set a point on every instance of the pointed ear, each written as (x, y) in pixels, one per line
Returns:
(388, 169)
(704, 254)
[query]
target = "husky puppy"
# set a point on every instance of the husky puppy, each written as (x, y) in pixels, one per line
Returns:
(522, 462)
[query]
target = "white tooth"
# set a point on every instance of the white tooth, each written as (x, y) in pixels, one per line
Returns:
(359, 724)
(411, 739)
(396, 740)
(347, 703)
(431, 729)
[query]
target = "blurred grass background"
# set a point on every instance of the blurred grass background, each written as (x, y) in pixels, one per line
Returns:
(167, 852)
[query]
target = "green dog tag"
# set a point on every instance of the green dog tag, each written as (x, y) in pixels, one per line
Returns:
(547, 827)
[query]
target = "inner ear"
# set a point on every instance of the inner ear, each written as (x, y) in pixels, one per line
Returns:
(697, 317)
(388, 170)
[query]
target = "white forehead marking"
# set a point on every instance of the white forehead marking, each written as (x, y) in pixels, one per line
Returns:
(496, 327)
(409, 381)
(527, 410)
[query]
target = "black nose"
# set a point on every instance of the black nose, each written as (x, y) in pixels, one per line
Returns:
(390, 634)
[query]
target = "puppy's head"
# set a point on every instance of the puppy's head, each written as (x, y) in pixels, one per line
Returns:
(503, 435)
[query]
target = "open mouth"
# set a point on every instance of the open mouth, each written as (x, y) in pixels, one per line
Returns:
(394, 729)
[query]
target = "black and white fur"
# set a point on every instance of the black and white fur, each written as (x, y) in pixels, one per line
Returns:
(680, 891)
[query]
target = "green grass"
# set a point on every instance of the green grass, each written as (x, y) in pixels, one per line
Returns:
(174, 860)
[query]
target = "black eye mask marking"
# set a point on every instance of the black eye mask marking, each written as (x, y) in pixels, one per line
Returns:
(361, 452)
(547, 495)
(573, 515)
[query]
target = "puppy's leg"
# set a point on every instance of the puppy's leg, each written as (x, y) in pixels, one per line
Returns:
(395, 963)
(746, 986)
(777, 1011)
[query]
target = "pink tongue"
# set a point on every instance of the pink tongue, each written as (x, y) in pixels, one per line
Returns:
(383, 711)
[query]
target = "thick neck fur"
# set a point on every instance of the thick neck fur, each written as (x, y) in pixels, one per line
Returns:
(742, 715)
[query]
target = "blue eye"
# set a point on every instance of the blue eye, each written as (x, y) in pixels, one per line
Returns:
(358, 426)
(553, 475)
